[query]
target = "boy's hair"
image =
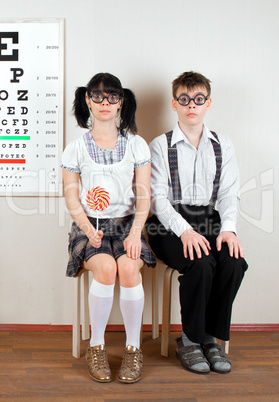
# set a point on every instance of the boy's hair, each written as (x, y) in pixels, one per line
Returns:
(190, 80)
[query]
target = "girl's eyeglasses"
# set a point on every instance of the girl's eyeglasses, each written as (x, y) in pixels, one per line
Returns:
(112, 98)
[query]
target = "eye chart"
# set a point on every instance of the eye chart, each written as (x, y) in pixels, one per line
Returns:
(31, 107)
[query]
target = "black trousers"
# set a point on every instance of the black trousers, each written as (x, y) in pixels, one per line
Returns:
(208, 285)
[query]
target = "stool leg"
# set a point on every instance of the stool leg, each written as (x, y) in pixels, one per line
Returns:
(166, 312)
(141, 328)
(76, 319)
(225, 346)
(155, 315)
(85, 318)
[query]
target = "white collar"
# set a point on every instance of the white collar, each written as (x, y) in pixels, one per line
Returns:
(178, 135)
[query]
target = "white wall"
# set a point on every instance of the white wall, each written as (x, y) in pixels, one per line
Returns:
(147, 43)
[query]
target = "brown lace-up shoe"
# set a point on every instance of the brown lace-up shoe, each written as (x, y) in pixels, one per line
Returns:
(131, 366)
(98, 365)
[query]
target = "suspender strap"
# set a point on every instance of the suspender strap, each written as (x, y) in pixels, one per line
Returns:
(173, 165)
(218, 159)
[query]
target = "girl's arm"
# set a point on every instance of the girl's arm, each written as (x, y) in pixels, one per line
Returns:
(132, 243)
(71, 187)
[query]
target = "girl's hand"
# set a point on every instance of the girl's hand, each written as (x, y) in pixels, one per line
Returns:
(132, 245)
(96, 239)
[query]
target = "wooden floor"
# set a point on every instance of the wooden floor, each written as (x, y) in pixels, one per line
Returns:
(39, 366)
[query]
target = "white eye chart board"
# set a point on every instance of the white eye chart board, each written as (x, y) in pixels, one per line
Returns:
(31, 107)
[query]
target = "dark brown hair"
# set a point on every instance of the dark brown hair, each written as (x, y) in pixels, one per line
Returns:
(190, 80)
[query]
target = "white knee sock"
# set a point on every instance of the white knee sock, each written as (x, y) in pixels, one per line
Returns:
(100, 304)
(131, 305)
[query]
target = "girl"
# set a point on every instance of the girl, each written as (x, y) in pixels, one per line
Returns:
(113, 157)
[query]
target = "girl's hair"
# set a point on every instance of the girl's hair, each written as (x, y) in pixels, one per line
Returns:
(106, 83)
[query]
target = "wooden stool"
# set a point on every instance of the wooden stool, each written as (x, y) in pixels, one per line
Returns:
(80, 304)
(166, 312)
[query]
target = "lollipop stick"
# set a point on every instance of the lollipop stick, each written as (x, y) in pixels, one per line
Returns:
(97, 221)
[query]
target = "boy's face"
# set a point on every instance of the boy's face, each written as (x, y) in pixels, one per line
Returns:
(191, 115)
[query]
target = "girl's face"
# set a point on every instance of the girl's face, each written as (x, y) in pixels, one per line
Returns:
(103, 109)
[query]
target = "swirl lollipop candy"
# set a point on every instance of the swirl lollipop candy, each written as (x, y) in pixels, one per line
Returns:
(98, 199)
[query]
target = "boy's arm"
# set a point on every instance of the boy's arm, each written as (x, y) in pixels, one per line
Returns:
(160, 188)
(228, 193)
(163, 208)
(228, 200)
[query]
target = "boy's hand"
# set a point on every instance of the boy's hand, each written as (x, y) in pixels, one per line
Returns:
(192, 240)
(235, 247)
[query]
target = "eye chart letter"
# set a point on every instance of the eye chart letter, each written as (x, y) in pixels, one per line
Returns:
(31, 107)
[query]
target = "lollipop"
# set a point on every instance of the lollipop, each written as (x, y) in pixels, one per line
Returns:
(98, 199)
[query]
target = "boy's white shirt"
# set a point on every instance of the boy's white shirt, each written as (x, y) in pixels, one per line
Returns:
(197, 168)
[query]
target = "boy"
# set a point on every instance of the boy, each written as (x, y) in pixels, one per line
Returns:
(192, 169)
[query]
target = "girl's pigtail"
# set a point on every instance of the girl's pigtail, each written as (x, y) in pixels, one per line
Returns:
(128, 112)
(80, 107)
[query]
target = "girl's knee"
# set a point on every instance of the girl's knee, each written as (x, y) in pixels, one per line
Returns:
(109, 271)
(129, 273)
(106, 273)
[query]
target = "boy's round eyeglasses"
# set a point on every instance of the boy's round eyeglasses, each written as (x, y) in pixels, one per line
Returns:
(199, 99)
(112, 98)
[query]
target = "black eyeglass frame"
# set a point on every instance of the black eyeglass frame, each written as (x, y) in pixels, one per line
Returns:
(106, 97)
(191, 99)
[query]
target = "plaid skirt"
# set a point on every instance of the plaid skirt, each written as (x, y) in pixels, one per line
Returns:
(115, 231)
